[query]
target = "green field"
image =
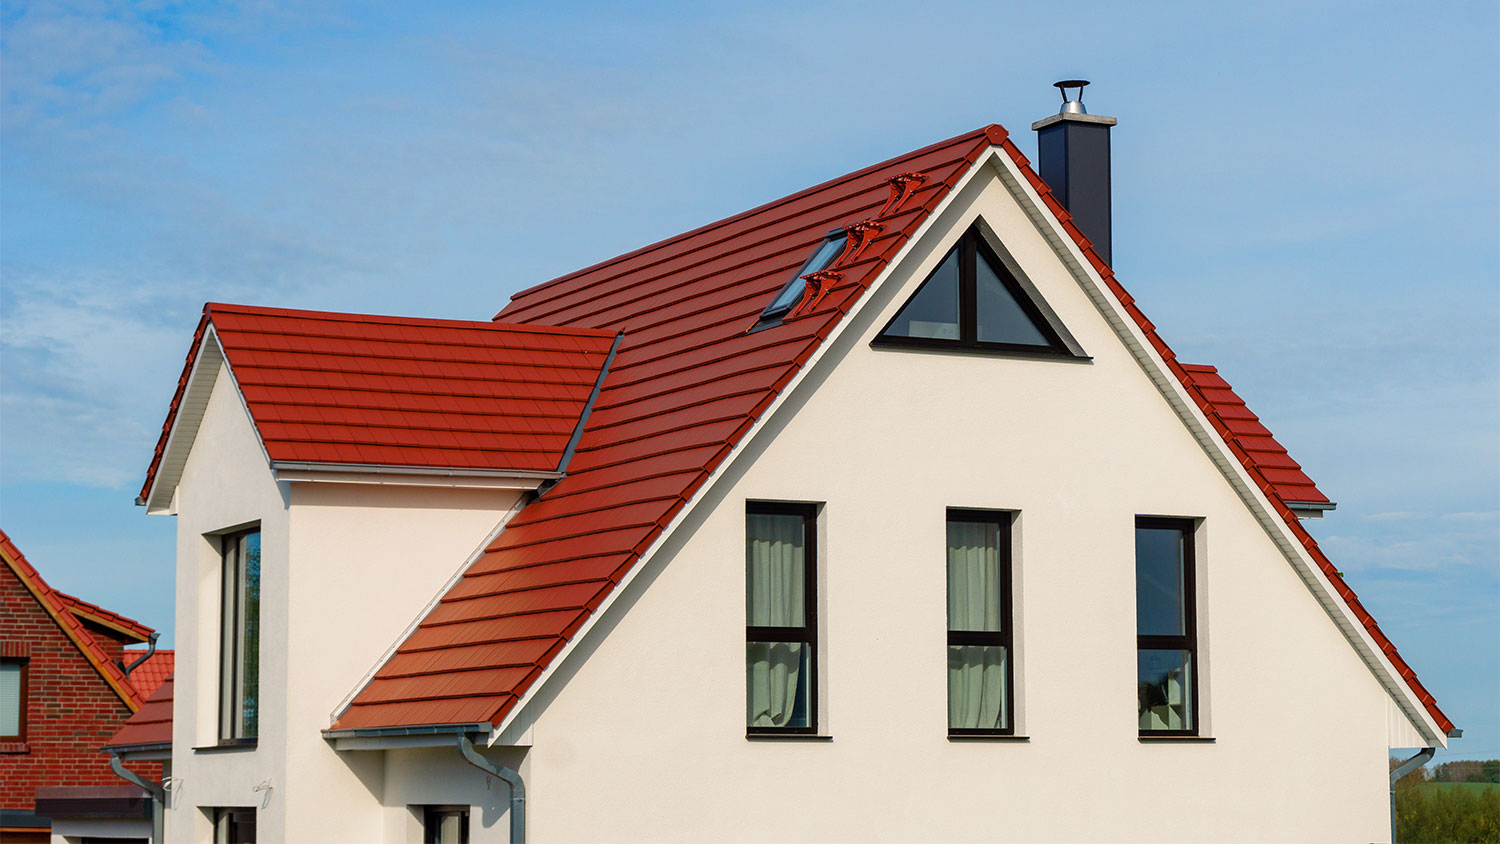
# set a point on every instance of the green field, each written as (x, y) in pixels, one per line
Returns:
(1474, 787)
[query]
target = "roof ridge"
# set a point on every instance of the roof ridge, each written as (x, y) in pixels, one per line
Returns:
(821, 186)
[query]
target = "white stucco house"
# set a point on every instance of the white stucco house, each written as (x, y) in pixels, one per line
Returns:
(878, 512)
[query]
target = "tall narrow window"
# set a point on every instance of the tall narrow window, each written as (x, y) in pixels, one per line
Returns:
(781, 618)
(12, 699)
(445, 825)
(234, 826)
(979, 630)
(239, 656)
(1166, 635)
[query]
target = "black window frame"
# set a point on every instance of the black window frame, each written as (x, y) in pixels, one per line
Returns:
(432, 817)
(230, 623)
(771, 315)
(807, 634)
(225, 814)
(23, 693)
(1003, 520)
(1188, 641)
(970, 247)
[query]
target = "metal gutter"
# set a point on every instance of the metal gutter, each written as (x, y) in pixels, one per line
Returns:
(391, 469)
(418, 730)
(158, 794)
(509, 777)
(1401, 771)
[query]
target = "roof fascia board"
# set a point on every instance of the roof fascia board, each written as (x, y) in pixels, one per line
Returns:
(373, 473)
(1176, 394)
(141, 752)
(201, 382)
(40, 591)
(343, 705)
(730, 462)
(92, 618)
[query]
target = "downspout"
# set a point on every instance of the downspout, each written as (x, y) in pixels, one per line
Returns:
(158, 795)
(1402, 770)
(511, 778)
(150, 649)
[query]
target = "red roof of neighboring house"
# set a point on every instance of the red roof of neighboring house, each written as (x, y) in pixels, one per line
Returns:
(149, 675)
(688, 382)
(398, 391)
(129, 627)
(60, 607)
(150, 725)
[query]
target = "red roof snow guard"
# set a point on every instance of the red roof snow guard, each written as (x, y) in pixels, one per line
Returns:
(1253, 449)
(59, 607)
(378, 390)
(150, 725)
(686, 384)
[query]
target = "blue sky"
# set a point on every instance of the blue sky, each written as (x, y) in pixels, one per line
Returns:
(1306, 195)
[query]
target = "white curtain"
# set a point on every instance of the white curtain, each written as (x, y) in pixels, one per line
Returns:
(775, 592)
(976, 673)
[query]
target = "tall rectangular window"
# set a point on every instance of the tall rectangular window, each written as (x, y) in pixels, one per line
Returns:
(1166, 627)
(12, 699)
(239, 637)
(445, 825)
(979, 629)
(781, 627)
(234, 826)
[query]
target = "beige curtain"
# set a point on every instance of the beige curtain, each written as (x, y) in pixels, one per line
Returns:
(976, 673)
(775, 592)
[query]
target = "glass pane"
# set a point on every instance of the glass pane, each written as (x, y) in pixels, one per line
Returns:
(933, 311)
(1000, 317)
(775, 574)
(976, 687)
(250, 630)
(450, 828)
(974, 576)
(1164, 689)
(826, 252)
(229, 625)
(778, 677)
(1159, 606)
(10, 699)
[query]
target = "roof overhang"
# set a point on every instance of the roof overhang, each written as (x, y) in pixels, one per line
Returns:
(397, 738)
(1311, 509)
(361, 473)
(999, 162)
(141, 752)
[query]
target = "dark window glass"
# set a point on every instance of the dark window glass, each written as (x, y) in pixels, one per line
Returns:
(234, 826)
(971, 301)
(239, 666)
(1166, 638)
(979, 634)
(13, 699)
(780, 618)
(445, 825)
(791, 293)
(932, 312)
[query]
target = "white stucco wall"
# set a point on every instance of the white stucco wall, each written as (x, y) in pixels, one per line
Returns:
(345, 569)
(641, 737)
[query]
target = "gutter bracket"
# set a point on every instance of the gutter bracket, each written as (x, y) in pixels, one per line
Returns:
(509, 777)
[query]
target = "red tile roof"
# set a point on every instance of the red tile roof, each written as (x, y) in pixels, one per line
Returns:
(1263, 456)
(59, 607)
(688, 382)
(103, 617)
(150, 725)
(149, 675)
(378, 390)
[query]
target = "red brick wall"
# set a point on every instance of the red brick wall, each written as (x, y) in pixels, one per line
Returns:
(70, 711)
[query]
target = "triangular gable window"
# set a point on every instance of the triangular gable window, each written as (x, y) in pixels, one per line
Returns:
(971, 301)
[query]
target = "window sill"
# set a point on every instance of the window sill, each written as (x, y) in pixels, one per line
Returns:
(982, 737)
(1176, 739)
(228, 745)
(787, 737)
(14, 747)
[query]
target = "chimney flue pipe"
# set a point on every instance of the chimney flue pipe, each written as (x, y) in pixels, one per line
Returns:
(1073, 159)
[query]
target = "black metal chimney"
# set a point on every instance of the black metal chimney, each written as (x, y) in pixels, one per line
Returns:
(1073, 159)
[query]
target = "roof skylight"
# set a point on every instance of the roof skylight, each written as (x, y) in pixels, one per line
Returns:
(826, 253)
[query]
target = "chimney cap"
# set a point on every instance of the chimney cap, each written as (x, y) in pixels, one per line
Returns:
(1071, 106)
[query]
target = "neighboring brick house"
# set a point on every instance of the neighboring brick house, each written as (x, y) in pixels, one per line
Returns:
(63, 692)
